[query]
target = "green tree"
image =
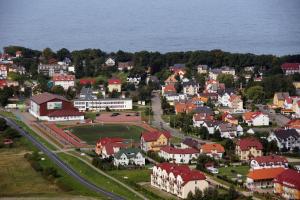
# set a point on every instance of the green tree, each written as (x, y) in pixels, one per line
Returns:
(203, 160)
(227, 79)
(3, 124)
(63, 53)
(256, 94)
(57, 89)
(48, 54)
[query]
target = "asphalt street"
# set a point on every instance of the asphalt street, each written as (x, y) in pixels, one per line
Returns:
(62, 164)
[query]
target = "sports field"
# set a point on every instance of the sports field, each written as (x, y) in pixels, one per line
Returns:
(92, 133)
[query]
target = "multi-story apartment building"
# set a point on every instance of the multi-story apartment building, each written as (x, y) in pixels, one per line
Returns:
(248, 148)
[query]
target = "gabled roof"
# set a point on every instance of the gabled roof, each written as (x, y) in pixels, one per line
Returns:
(282, 95)
(190, 83)
(63, 77)
(106, 140)
(208, 148)
(289, 178)
(294, 123)
(270, 159)
(204, 109)
(64, 113)
(283, 134)
(129, 152)
(113, 81)
(250, 116)
(169, 88)
(246, 143)
(290, 66)
(191, 143)
(172, 150)
(212, 123)
(45, 97)
(265, 174)
(227, 127)
(171, 79)
(149, 136)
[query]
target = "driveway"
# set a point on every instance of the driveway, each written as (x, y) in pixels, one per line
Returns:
(278, 118)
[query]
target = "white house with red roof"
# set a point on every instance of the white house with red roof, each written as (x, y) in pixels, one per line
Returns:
(290, 68)
(178, 180)
(114, 84)
(287, 184)
(213, 150)
(3, 71)
(168, 89)
(178, 155)
(271, 161)
(64, 80)
(154, 140)
(256, 119)
(108, 146)
(51, 107)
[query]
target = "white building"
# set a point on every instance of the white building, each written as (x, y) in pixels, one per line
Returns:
(130, 156)
(110, 62)
(64, 80)
(178, 180)
(272, 161)
(177, 155)
(256, 119)
(3, 72)
(286, 138)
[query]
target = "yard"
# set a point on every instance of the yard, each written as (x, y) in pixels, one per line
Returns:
(232, 171)
(92, 133)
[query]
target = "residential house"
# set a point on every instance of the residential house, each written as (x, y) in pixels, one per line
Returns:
(64, 80)
(176, 67)
(213, 96)
(202, 69)
(271, 161)
(3, 72)
(154, 140)
(134, 79)
(87, 81)
(256, 119)
(129, 156)
(235, 103)
(109, 144)
(213, 150)
(287, 184)
(179, 72)
(172, 97)
(290, 68)
(279, 98)
(51, 69)
(227, 130)
(114, 84)
(178, 155)
(125, 65)
(199, 118)
(211, 125)
(259, 179)
(190, 88)
(224, 96)
(228, 70)
(226, 117)
(248, 148)
(168, 90)
(178, 180)
(213, 86)
(190, 143)
(214, 73)
(296, 108)
(293, 124)
(110, 62)
(17, 69)
(171, 80)
(286, 138)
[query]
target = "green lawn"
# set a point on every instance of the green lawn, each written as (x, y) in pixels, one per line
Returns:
(92, 133)
(232, 171)
(98, 179)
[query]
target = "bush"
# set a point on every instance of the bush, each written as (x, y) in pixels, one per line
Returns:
(62, 185)
(36, 166)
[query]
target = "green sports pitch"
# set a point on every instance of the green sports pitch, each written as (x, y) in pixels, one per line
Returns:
(92, 133)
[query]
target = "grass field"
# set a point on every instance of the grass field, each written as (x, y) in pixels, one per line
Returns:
(91, 134)
(19, 179)
(232, 171)
(96, 178)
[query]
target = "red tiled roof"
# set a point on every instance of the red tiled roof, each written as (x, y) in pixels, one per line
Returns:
(113, 81)
(290, 66)
(45, 97)
(270, 159)
(87, 81)
(203, 116)
(249, 116)
(154, 135)
(170, 88)
(172, 150)
(289, 178)
(192, 176)
(265, 174)
(246, 143)
(294, 123)
(3, 83)
(107, 140)
(63, 77)
(208, 148)
(111, 146)
(63, 113)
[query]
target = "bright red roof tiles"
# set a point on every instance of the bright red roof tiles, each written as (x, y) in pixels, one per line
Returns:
(289, 178)
(247, 143)
(154, 135)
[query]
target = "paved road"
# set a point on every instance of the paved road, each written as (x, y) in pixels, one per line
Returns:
(61, 164)
(158, 122)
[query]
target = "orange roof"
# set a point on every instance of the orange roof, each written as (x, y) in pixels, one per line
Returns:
(170, 88)
(265, 174)
(208, 148)
(251, 115)
(180, 107)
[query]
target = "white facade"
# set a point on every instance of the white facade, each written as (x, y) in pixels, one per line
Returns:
(224, 99)
(138, 159)
(110, 62)
(134, 80)
(65, 83)
(102, 104)
(255, 165)
(260, 120)
(179, 158)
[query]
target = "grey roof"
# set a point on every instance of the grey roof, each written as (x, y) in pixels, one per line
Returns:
(204, 109)
(282, 95)
(179, 65)
(283, 134)
(204, 67)
(191, 143)
(227, 127)
(227, 90)
(188, 83)
(130, 152)
(212, 123)
(45, 97)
